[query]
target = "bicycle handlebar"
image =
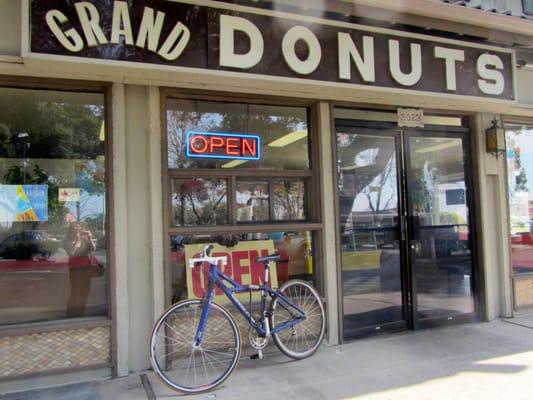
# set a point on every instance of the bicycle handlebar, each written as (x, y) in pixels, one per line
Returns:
(205, 257)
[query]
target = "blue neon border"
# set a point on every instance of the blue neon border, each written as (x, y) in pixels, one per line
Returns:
(239, 135)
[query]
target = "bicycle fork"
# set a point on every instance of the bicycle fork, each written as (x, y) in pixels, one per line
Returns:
(205, 314)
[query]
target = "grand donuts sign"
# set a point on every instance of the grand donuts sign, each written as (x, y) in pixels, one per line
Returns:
(247, 40)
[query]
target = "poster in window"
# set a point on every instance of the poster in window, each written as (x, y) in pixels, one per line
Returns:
(242, 266)
(23, 203)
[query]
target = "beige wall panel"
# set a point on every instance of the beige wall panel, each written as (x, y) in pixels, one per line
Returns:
(120, 228)
(493, 227)
(524, 86)
(10, 17)
(138, 210)
(327, 194)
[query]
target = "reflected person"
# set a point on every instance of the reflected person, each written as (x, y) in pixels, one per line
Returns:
(79, 245)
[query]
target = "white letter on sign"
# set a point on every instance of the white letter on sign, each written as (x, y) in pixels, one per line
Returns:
(150, 29)
(170, 50)
(450, 56)
(365, 64)
(90, 23)
(414, 76)
(228, 25)
(55, 17)
(492, 82)
(303, 67)
(121, 23)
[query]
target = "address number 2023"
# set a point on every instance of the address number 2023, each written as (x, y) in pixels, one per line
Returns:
(410, 117)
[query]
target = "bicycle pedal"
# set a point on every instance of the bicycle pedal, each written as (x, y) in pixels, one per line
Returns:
(258, 356)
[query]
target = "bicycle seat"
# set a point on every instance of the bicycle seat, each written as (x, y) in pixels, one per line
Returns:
(269, 258)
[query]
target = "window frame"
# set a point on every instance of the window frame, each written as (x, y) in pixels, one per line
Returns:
(310, 176)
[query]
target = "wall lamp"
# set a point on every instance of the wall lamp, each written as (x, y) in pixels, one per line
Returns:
(492, 138)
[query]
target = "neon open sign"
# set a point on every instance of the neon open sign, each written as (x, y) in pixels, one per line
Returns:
(235, 146)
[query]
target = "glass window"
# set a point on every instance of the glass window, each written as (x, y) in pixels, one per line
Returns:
(520, 169)
(253, 201)
(52, 205)
(282, 130)
(197, 201)
(289, 200)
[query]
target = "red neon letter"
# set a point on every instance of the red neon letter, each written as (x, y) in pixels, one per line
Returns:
(216, 142)
(249, 145)
(232, 146)
(194, 146)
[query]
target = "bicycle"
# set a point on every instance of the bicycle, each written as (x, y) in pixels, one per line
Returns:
(196, 344)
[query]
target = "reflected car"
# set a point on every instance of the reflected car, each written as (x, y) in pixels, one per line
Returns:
(27, 245)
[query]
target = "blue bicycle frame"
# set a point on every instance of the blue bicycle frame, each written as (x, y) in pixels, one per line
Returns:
(217, 278)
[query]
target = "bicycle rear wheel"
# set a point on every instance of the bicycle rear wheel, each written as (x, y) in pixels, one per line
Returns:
(181, 364)
(303, 339)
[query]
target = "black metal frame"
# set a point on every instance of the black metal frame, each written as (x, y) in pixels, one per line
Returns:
(527, 7)
(409, 292)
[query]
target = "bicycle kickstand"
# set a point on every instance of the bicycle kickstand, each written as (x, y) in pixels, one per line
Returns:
(259, 355)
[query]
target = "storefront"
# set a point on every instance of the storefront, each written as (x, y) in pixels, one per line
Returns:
(132, 133)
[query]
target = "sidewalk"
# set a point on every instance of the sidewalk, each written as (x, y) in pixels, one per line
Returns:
(476, 361)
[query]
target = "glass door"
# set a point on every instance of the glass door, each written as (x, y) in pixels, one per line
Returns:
(370, 230)
(405, 228)
(440, 242)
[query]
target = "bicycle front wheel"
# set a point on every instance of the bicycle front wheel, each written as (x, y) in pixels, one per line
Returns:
(181, 364)
(302, 339)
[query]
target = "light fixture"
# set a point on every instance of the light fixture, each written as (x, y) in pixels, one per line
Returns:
(233, 164)
(289, 138)
(437, 147)
(492, 138)
(101, 134)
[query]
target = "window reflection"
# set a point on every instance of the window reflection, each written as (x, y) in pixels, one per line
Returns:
(52, 205)
(441, 251)
(289, 200)
(198, 201)
(370, 257)
(520, 169)
(253, 201)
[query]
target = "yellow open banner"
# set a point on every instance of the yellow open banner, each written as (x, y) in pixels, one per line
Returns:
(242, 266)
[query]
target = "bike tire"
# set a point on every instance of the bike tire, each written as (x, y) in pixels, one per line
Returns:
(185, 367)
(303, 339)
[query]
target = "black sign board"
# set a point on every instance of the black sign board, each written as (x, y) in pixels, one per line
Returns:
(238, 39)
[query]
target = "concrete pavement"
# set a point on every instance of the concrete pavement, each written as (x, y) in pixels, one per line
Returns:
(475, 361)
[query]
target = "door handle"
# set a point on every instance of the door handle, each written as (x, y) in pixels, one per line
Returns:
(415, 227)
(403, 233)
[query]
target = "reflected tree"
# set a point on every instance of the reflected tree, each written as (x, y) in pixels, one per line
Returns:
(200, 202)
